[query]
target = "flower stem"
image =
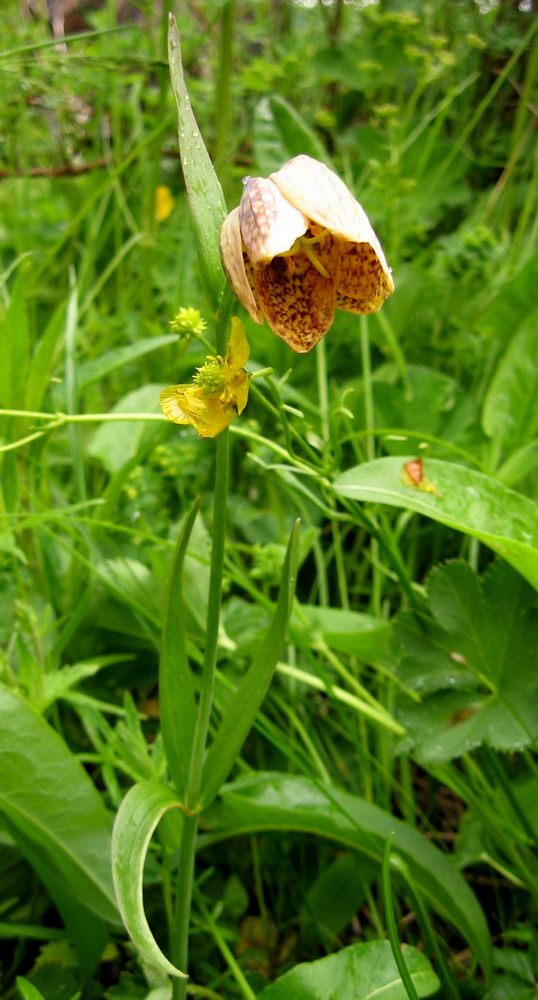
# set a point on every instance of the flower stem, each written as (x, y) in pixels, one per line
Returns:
(185, 876)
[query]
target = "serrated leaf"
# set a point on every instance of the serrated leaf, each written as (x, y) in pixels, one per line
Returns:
(466, 500)
(141, 810)
(365, 971)
(489, 626)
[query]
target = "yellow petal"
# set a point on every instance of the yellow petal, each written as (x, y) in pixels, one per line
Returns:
(231, 251)
(164, 202)
(269, 224)
(297, 301)
(189, 404)
(320, 195)
(238, 351)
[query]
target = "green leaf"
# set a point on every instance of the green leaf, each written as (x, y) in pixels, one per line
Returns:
(471, 502)
(244, 707)
(351, 632)
(273, 801)
(178, 707)
(206, 200)
(27, 989)
(43, 358)
(115, 443)
(14, 348)
(110, 361)
(336, 895)
(489, 626)
(510, 414)
(52, 808)
(512, 303)
(141, 810)
(296, 135)
(363, 971)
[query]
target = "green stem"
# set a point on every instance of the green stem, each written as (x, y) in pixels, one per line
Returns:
(185, 879)
(213, 617)
(401, 964)
(450, 989)
(182, 912)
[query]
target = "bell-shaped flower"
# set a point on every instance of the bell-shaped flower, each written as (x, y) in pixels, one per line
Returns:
(218, 392)
(299, 247)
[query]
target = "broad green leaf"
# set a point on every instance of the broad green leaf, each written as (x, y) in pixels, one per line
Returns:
(244, 707)
(335, 896)
(471, 502)
(176, 692)
(141, 810)
(206, 200)
(274, 801)
(59, 822)
(52, 808)
(510, 413)
(352, 632)
(115, 443)
(365, 971)
(488, 629)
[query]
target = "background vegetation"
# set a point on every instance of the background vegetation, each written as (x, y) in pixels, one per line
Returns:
(408, 677)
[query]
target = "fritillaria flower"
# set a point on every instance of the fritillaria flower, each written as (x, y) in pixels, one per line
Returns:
(218, 392)
(299, 247)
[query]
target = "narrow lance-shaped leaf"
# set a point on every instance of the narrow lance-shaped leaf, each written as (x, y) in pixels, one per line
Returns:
(246, 703)
(141, 810)
(206, 200)
(176, 694)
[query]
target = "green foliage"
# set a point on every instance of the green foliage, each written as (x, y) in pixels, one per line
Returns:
(370, 965)
(402, 691)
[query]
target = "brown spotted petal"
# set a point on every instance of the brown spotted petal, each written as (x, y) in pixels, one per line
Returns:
(321, 196)
(231, 252)
(269, 223)
(297, 300)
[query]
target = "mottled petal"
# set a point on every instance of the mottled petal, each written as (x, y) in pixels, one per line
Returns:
(297, 301)
(322, 197)
(269, 224)
(359, 276)
(231, 251)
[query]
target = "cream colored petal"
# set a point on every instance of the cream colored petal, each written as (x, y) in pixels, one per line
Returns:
(269, 224)
(231, 251)
(320, 195)
(297, 301)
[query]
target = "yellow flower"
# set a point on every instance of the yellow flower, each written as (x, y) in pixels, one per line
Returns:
(218, 392)
(164, 203)
(298, 247)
